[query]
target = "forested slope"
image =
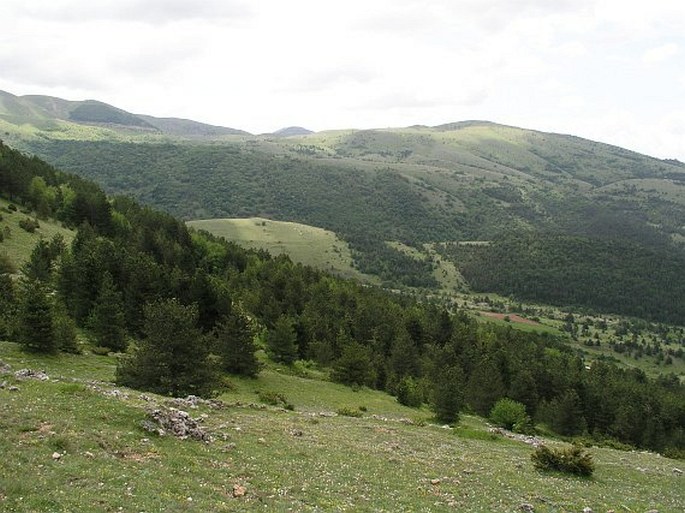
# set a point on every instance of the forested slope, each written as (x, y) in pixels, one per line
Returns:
(143, 271)
(452, 183)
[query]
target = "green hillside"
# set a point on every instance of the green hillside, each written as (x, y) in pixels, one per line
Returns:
(387, 189)
(304, 244)
(76, 442)
(16, 243)
(36, 116)
(150, 366)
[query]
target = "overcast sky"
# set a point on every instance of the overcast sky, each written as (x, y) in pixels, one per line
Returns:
(609, 70)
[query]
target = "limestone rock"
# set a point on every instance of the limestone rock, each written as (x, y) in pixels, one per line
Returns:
(31, 374)
(176, 422)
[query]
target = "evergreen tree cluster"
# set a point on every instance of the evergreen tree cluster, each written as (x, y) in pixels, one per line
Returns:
(186, 306)
(605, 274)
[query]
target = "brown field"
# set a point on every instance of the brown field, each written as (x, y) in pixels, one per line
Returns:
(512, 318)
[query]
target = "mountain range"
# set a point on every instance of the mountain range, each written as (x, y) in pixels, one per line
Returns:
(604, 227)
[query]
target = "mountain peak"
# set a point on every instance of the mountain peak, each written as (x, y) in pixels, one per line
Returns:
(291, 131)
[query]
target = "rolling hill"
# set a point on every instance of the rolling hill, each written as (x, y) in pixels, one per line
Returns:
(387, 189)
(70, 119)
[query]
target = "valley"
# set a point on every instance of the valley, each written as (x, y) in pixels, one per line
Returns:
(311, 311)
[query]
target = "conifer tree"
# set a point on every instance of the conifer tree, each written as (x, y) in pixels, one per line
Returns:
(107, 321)
(282, 341)
(448, 392)
(173, 358)
(235, 344)
(354, 365)
(35, 318)
(8, 305)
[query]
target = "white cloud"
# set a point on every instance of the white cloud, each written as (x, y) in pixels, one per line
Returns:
(660, 53)
(148, 11)
(264, 64)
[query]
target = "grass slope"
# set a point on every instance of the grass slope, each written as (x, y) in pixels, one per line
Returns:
(302, 460)
(305, 244)
(20, 243)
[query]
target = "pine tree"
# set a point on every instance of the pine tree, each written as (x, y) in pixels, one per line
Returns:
(485, 386)
(282, 341)
(65, 330)
(448, 392)
(235, 344)
(354, 365)
(173, 358)
(8, 305)
(107, 321)
(35, 319)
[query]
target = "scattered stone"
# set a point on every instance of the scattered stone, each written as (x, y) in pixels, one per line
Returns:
(5, 368)
(3, 384)
(239, 490)
(176, 422)
(13, 388)
(587, 509)
(116, 393)
(261, 440)
(146, 398)
(677, 471)
(526, 439)
(193, 401)
(31, 374)
(296, 432)
(56, 456)
(435, 481)
(89, 454)
(526, 508)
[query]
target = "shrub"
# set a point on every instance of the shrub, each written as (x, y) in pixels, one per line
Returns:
(6, 264)
(508, 413)
(274, 399)
(346, 411)
(409, 392)
(28, 224)
(571, 460)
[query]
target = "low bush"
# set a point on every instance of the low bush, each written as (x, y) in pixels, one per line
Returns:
(511, 415)
(571, 460)
(28, 224)
(274, 399)
(346, 411)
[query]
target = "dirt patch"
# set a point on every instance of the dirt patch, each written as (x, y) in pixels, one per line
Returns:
(512, 318)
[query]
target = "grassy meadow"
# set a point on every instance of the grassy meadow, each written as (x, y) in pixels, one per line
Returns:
(75, 443)
(305, 244)
(17, 243)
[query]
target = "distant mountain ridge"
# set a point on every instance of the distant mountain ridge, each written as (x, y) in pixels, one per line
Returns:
(44, 111)
(291, 131)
